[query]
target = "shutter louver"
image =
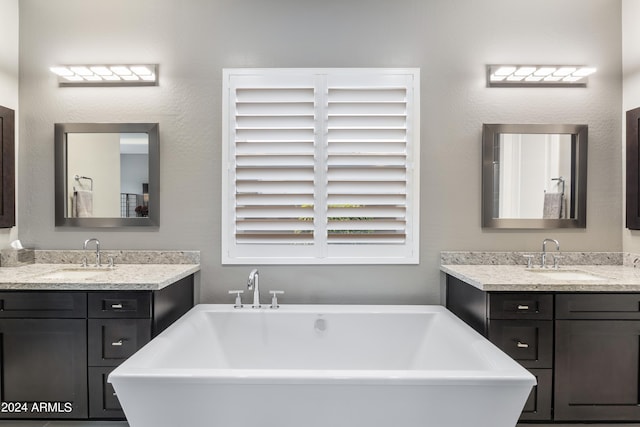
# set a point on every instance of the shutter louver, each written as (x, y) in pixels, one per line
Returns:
(274, 174)
(367, 165)
(321, 166)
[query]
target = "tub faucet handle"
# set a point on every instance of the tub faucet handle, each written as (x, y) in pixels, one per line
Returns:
(274, 298)
(238, 303)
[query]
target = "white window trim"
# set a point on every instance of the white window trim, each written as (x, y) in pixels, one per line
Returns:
(342, 253)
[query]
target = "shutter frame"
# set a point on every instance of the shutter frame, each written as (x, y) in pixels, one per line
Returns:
(353, 191)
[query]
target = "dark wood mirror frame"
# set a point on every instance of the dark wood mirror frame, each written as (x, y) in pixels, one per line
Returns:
(7, 160)
(633, 173)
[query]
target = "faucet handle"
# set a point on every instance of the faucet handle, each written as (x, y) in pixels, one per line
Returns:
(238, 303)
(85, 263)
(556, 262)
(529, 259)
(274, 298)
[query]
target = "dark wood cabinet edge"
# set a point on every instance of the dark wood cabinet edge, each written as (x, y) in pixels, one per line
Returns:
(633, 170)
(7, 150)
(171, 303)
(468, 303)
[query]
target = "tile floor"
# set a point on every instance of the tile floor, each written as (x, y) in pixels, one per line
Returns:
(45, 423)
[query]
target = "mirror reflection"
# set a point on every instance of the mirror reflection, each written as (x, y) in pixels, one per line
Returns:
(534, 176)
(107, 174)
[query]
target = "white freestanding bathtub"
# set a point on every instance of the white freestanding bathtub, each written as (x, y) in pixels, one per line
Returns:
(321, 366)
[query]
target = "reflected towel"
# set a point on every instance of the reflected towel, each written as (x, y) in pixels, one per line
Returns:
(83, 203)
(552, 205)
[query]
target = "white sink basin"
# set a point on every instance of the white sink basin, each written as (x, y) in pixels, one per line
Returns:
(74, 273)
(566, 274)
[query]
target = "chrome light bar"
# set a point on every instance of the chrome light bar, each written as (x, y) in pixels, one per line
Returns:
(538, 75)
(107, 75)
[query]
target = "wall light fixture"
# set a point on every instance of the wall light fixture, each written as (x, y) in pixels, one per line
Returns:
(107, 75)
(538, 75)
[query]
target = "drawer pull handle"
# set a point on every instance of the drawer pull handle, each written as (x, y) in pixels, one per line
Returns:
(523, 307)
(117, 343)
(522, 345)
(114, 393)
(116, 306)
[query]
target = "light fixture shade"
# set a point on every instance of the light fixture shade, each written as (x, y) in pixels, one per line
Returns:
(511, 75)
(106, 75)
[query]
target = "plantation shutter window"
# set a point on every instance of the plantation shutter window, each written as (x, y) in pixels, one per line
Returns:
(320, 166)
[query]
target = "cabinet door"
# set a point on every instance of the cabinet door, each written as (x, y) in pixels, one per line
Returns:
(115, 305)
(112, 341)
(103, 402)
(596, 375)
(43, 372)
(43, 304)
(538, 405)
(520, 306)
(598, 306)
(529, 342)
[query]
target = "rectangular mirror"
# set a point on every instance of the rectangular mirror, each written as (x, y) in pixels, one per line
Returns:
(534, 176)
(107, 174)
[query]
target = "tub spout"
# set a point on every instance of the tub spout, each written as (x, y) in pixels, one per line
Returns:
(252, 284)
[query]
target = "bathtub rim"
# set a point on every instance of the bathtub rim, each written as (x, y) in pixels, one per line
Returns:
(504, 369)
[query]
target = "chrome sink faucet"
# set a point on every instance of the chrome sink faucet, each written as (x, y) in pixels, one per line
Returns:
(543, 263)
(252, 284)
(84, 247)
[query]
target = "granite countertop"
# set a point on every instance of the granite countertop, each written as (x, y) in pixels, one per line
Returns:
(29, 269)
(611, 278)
(72, 277)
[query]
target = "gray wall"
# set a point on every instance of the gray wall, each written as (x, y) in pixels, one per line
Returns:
(450, 40)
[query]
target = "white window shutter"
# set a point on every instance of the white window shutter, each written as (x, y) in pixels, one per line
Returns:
(367, 162)
(322, 166)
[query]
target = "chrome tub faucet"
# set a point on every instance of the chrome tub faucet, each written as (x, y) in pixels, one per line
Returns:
(253, 284)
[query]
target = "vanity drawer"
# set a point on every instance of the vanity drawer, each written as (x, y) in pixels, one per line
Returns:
(529, 342)
(598, 306)
(103, 402)
(533, 306)
(111, 341)
(538, 405)
(131, 305)
(41, 304)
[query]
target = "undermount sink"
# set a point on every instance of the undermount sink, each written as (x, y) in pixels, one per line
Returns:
(566, 274)
(74, 273)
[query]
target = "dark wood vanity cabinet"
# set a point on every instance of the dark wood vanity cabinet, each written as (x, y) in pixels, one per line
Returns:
(582, 348)
(597, 357)
(119, 324)
(43, 353)
(521, 325)
(57, 348)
